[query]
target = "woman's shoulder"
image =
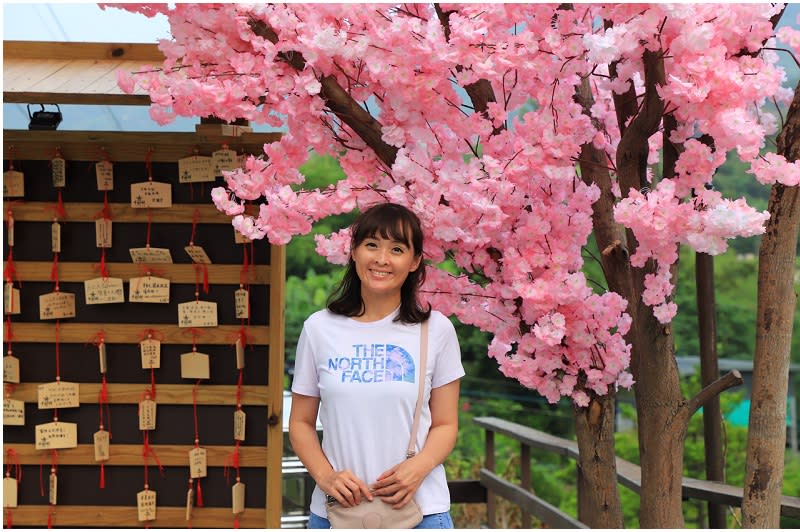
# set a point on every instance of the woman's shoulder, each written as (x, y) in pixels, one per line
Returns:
(440, 322)
(321, 318)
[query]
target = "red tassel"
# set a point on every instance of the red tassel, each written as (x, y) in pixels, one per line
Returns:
(236, 522)
(8, 519)
(102, 476)
(205, 279)
(50, 518)
(60, 211)
(199, 495)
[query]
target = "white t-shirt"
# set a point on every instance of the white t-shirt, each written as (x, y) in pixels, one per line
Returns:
(365, 376)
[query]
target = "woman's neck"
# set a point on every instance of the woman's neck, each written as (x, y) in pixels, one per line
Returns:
(378, 308)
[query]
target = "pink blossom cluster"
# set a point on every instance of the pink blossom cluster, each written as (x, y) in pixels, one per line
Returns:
(499, 192)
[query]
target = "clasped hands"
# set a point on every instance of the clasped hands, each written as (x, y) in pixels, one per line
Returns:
(396, 486)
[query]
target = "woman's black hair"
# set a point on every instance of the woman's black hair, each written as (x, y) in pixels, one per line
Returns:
(389, 220)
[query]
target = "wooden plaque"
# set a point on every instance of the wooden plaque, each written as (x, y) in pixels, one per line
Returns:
(150, 256)
(148, 290)
(58, 394)
(9, 492)
(101, 446)
(239, 420)
(102, 232)
(151, 353)
(10, 231)
(241, 300)
(146, 505)
(13, 184)
(198, 463)
(151, 195)
(239, 354)
(239, 238)
(58, 169)
(101, 357)
(197, 314)
(100, 291)
(11, 369)
(197, 254)
(53, 491)
(224, 160)
(105, 175)
(195, 169)
(55, 237)
(11, 299)
(13, 412)
(189, 503)
(56, 305)
(195, 366)
(147, 415)
(237, 496)
(56, 435)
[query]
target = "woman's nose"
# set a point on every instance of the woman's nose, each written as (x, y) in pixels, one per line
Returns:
(381, 256)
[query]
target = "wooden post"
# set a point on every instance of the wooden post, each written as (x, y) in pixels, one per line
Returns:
(277, 283)
(525, 478)
(491, 500)
(709, 372)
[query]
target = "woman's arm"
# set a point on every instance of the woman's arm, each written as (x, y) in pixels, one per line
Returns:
(398, 485)
(343, 485)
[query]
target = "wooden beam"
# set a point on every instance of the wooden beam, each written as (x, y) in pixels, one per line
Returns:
(126, 517)
(543, 510)
(131, 455)
(129, 333)
(42, 211)
(82, 50)
(126, 146)
(176, 273)
(166, 394)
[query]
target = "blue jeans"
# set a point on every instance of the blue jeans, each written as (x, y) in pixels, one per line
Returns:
(442, 520)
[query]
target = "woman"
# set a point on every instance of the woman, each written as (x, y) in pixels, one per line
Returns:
(356, 365)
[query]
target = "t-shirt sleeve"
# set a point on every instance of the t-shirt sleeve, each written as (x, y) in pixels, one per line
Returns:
(448, 357)
(306, 378)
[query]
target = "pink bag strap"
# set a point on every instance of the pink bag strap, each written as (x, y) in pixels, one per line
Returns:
(422, 373)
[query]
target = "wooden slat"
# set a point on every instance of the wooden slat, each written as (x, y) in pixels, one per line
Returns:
(719, 493)
(529, 436)
(131, 455)
(42, 211)
(125, 146)
(177, 273)
(537, 506)
(81, 50)
(129, 333)
(125, 516)
(174, 394)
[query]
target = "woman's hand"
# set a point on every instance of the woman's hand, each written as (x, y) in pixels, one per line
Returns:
(345, 487)
(398, 485)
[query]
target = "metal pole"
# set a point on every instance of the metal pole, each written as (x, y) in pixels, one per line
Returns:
(709, 372)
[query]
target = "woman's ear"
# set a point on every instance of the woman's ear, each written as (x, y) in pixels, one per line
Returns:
(417, 262)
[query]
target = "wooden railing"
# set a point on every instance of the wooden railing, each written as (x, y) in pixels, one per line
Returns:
(628, 474)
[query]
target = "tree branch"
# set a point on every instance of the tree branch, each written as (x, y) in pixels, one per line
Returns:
(729, 380)
(337, 100)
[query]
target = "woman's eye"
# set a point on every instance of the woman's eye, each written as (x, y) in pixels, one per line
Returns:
(371, 244)
(397, 250)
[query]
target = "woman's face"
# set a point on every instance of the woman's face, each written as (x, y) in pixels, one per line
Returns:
(383, 264)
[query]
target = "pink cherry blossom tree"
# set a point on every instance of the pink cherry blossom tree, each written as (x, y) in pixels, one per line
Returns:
(630, 110)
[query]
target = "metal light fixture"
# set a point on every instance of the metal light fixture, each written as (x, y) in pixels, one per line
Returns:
(44, 120)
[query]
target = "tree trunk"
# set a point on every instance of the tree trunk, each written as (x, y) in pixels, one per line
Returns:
(766, 438)
(598, 496)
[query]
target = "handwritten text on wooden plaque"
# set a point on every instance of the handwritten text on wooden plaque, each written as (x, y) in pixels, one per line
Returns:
(148, 290)
(13, 412)
(11, 369)
(239, 423)
(102, 232)
(241, 299)
(11, 299)
(151, 255)
(13, 184)
(56, 435)
(101, 446)
(147, 415)
(58, 167)
(151, 195)
(198, 462)
(56, 305)
(100, 291)
(224, 160)
(197, 254)
(197, 314)
(195, 169)
(151, 353)
(105, 175)
(146, 505)
(58, 394)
